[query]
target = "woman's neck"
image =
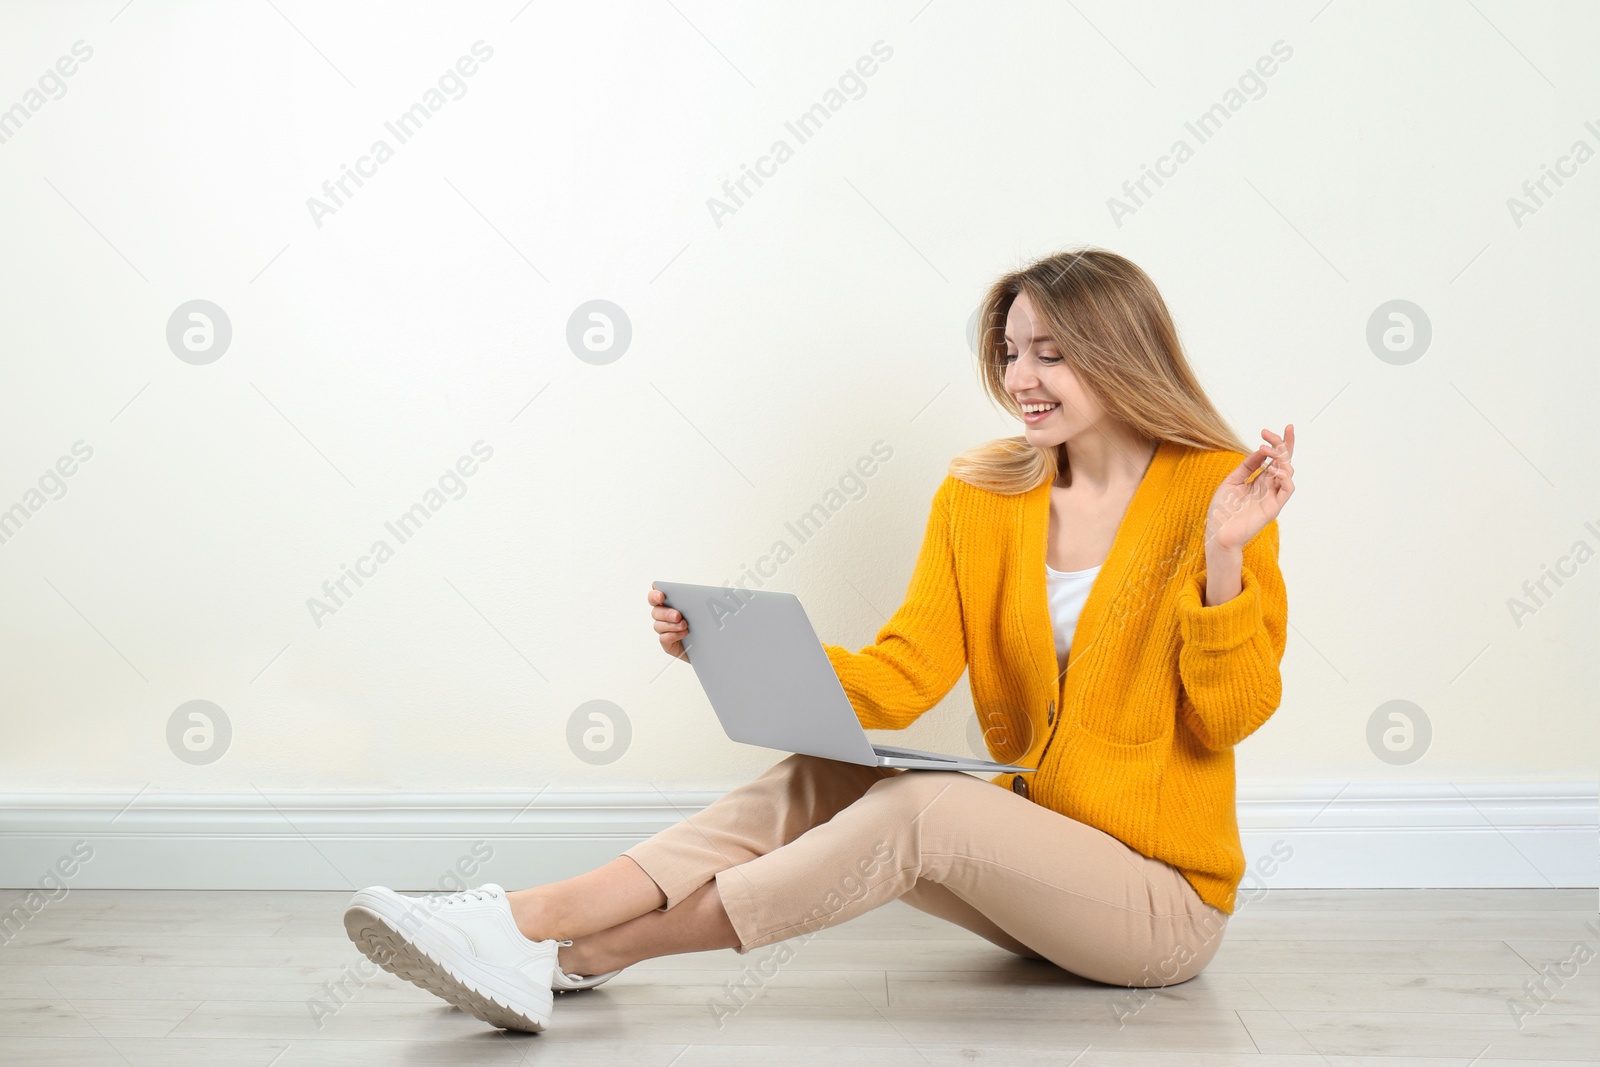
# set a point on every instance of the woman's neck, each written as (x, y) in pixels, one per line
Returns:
(1102, 459)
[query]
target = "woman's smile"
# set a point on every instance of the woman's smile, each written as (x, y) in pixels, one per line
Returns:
(1037, 412)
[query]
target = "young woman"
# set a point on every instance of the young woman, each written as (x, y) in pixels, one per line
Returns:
(1109, 579)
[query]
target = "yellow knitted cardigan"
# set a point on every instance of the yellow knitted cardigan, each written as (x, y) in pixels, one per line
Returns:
(1158, 688)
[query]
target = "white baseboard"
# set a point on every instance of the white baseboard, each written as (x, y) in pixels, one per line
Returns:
(1330, 835)
(1423, 834)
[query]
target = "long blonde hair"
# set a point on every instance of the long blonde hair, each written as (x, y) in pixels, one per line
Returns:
(1113, 329)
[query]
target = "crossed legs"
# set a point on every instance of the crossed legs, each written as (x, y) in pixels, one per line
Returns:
(617, 915)
(612, 916)
(812, 843)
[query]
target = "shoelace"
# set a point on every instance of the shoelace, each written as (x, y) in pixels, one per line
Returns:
(472, 895)
(467, 896)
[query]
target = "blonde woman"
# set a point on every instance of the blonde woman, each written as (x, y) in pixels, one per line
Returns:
(1109, 579)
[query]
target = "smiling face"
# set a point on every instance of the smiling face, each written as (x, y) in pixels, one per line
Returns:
(1037, 377)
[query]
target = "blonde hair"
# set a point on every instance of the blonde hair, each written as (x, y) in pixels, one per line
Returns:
(1113, 329)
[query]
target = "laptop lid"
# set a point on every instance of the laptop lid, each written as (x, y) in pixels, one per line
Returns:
(765, 672)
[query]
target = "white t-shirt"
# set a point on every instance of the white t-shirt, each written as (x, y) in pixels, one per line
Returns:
(1067, 591)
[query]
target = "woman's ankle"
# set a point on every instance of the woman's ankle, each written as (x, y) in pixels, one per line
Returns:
(582, 959)
(531, 911)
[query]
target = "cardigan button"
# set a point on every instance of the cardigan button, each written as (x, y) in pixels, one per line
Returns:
(1019, 786)
(1050, 714)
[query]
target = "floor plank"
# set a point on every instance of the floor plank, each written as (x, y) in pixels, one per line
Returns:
(1303, 978)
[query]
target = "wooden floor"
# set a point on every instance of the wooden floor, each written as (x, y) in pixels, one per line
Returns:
(1394, 977)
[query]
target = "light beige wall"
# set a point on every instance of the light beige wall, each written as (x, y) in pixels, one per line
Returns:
(768, 354)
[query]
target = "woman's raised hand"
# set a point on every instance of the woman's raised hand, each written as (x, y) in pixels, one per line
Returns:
(670, 624)
(1240, 509)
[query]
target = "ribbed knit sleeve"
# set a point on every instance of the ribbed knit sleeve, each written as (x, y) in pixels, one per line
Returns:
(1230, 652)
(920, 652)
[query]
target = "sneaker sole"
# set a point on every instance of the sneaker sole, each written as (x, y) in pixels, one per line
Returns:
(474, 994)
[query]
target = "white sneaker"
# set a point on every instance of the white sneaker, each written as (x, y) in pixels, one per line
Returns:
(464, 947)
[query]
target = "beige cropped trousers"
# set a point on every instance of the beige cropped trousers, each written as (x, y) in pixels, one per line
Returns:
(814, 842)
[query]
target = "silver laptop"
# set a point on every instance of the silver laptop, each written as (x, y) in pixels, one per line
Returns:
(771, 684)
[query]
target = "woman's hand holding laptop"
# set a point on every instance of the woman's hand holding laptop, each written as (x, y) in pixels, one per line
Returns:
(670, 625)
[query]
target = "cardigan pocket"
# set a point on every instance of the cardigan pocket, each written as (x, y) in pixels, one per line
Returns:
(1113, 786)
(1118, 723)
